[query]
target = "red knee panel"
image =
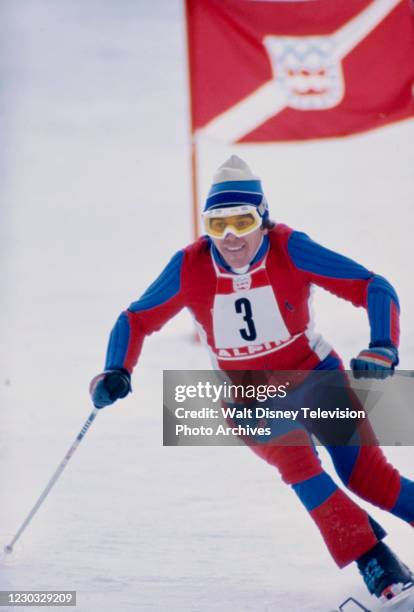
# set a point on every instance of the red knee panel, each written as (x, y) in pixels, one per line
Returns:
(345, 528)
(295, 463)
(374, 479)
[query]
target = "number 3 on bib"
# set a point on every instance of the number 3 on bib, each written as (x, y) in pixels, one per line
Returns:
(244, 307)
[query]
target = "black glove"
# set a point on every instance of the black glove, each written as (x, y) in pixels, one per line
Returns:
(109, 386)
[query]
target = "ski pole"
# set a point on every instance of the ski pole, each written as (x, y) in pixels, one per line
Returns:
(46, 490)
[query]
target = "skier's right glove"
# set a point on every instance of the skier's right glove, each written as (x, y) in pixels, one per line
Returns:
(109, 386)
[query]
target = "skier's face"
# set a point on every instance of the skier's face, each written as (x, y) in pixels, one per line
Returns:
(238, 251)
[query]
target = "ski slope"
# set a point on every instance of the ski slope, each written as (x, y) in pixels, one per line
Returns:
(95, 198)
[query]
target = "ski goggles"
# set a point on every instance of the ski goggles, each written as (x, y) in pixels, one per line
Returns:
(238, 220)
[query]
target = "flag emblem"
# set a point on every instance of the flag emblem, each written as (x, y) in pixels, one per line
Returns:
(307, 69)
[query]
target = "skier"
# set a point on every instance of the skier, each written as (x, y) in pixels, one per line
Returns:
(276, 266)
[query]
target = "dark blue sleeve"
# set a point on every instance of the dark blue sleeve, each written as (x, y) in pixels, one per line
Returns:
(158, 303)
(316, 259)
(351, 281)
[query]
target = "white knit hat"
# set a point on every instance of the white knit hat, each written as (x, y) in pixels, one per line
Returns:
(234, 184)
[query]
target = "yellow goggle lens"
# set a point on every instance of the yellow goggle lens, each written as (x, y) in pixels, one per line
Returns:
(240, 224)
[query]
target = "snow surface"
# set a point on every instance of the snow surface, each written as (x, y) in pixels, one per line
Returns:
(95, 199)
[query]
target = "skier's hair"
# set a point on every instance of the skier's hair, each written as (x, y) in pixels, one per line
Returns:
(268, 224)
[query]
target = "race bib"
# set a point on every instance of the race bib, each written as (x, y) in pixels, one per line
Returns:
(249, 317)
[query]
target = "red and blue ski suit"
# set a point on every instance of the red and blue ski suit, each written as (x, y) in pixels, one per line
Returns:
(261, 320)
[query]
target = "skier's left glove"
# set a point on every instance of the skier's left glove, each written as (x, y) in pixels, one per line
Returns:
(375, 362)
(109, 386)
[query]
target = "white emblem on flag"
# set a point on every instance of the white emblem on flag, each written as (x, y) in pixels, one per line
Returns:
(307, 69)
(242, 282)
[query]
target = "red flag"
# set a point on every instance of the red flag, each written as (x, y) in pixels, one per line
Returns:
(265, 70)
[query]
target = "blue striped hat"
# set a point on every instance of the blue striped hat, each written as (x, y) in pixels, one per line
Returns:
(234, 184)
